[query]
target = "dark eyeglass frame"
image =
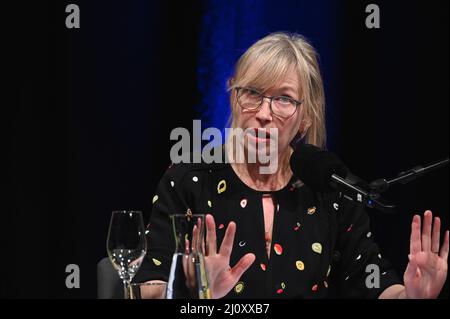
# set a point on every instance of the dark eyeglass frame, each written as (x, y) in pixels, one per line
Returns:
(295, 102)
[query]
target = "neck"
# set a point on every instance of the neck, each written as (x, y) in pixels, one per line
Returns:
(250, 174)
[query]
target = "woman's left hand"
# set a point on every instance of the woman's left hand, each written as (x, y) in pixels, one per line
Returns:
(427, 268)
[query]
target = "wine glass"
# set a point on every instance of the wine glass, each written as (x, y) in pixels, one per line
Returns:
(126, 245)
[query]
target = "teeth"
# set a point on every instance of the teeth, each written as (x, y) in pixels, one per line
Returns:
(259, 133)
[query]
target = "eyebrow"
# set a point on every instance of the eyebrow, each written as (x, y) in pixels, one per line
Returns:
(287, 88)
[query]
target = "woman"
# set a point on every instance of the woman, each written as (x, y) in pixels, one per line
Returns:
(282, 238)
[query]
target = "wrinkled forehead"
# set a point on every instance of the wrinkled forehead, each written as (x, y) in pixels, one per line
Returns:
(266, 72)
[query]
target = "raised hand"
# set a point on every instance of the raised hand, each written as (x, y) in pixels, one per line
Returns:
(427, 268)
(221, 277)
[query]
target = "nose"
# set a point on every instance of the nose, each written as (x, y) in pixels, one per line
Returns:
(264, 114)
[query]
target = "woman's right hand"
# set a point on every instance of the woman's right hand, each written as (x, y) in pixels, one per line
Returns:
(221, 277)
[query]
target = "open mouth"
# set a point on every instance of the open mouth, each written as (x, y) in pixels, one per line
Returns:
(260, 133)
(259, 136)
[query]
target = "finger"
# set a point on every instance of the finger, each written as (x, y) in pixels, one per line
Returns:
(415, 245)
(186, 247)
(411, 269)
(444, 249)
(185, 259)
(228, 239)
(190, 273)
(417, 272)
(203, 246)
(185, 263)
(242, 265)
(200, 237)
(194, 239)
(435, 238)
(426, 231)
(211, 240)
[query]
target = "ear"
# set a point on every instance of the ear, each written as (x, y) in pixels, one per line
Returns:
(305, 124)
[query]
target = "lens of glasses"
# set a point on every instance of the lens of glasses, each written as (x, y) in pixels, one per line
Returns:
(251, 99)
(283, 106)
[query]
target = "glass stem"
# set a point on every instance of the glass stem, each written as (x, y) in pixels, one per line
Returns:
(127, 292)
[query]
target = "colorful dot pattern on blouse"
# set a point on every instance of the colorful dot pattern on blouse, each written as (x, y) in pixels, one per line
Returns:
(302, 242)
(156, 262)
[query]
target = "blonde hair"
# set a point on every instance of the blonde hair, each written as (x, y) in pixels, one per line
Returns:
(271, 58)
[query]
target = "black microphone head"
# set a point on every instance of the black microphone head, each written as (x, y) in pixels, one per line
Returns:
(314, 166)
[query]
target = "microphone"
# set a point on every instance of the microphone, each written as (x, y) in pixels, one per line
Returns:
(316, 167)
(324, 172)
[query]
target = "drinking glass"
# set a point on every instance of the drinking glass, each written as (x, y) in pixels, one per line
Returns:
(126, 245)
(188, 278)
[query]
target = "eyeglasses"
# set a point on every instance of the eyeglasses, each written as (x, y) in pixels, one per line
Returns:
(281, 106)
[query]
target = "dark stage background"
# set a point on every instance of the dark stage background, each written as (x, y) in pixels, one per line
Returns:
(87, 131)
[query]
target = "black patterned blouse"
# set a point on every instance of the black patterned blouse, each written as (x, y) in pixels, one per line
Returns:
(321, 243)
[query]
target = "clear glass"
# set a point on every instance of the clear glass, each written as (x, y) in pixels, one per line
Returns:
(188, 277)
(252, 99)
(126, 245)
(149, 290)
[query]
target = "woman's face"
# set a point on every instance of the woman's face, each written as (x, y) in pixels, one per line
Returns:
(262, 119)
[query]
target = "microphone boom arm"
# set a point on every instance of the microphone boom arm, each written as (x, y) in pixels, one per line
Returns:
(381, 185)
